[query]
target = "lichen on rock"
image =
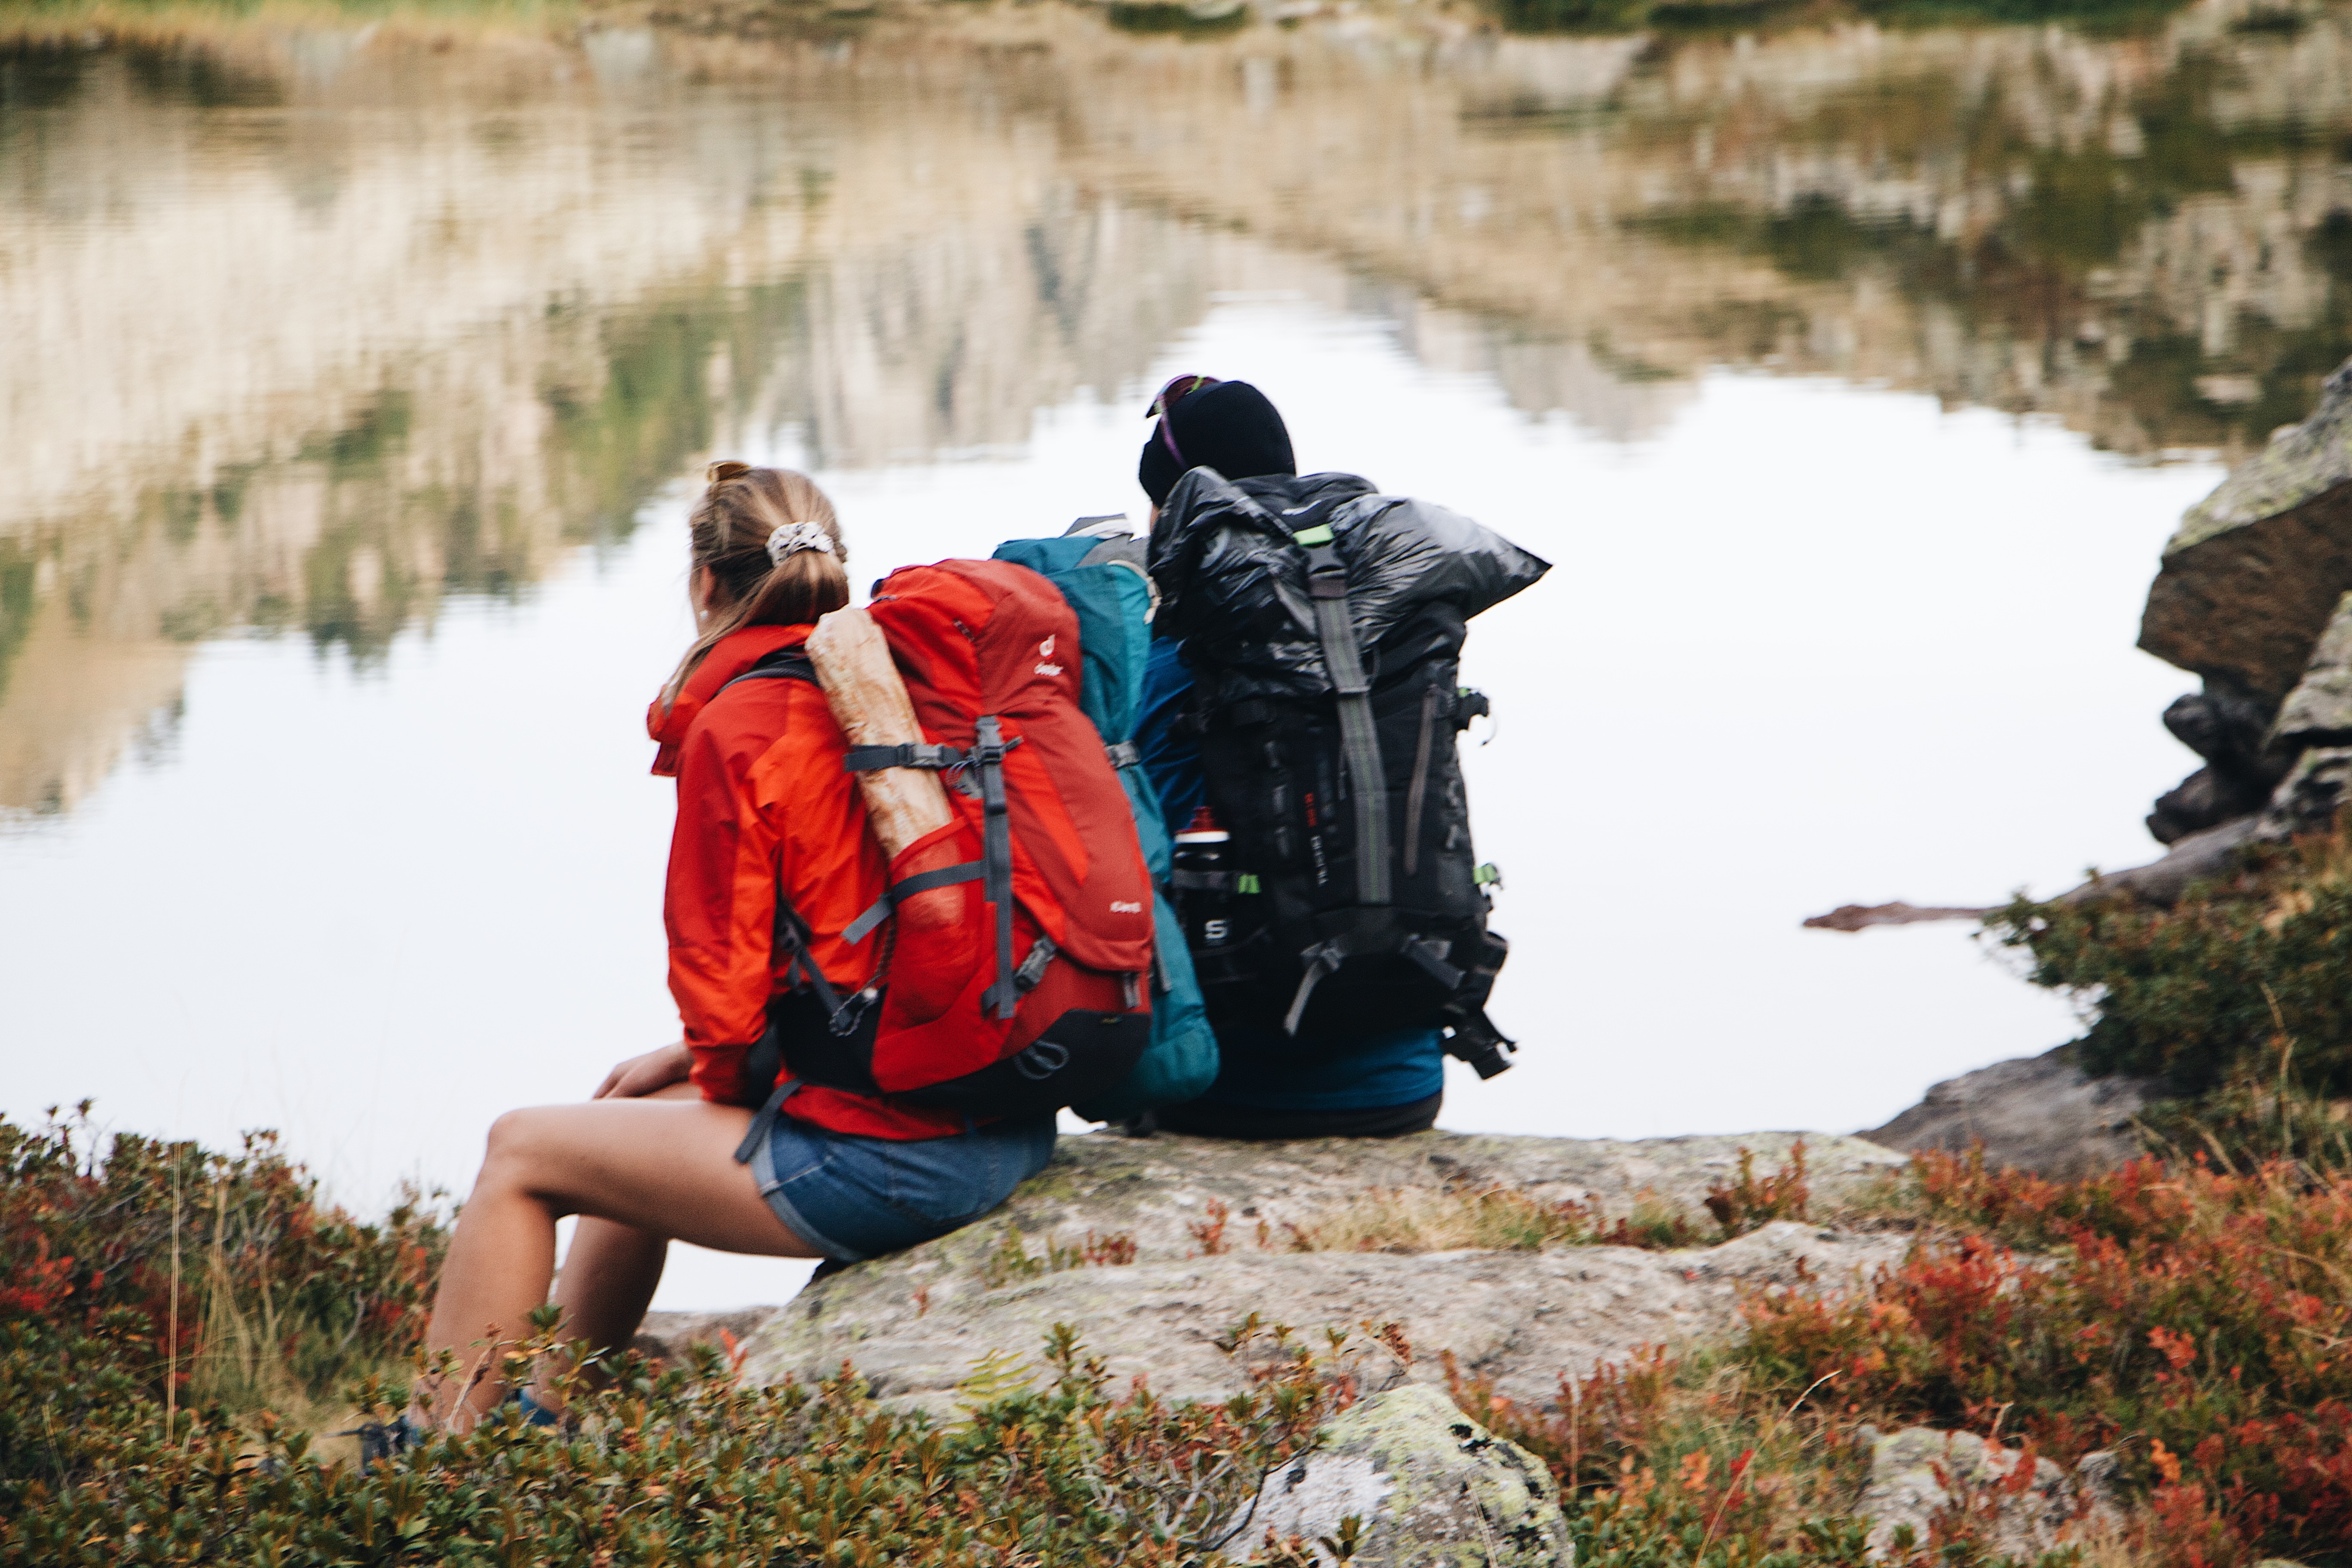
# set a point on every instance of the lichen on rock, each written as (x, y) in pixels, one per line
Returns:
(1427, 1487)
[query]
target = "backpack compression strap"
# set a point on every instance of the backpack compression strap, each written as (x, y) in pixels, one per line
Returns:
(993, 869)
(997, 850)
(1327, 582)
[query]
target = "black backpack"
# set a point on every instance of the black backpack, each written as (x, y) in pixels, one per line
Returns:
(1323, 622)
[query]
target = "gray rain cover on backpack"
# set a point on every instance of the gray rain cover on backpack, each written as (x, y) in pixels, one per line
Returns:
(1323, 622)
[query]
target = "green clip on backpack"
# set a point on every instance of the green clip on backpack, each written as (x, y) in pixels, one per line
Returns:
(1104, 583)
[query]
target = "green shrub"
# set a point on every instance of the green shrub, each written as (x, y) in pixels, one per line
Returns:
(2239, 974)
(684, 1466)
(156, 1303)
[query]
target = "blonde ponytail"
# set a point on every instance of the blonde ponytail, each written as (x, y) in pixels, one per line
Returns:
(732, 526)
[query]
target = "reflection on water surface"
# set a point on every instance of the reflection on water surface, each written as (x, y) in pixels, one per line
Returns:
(310, 328)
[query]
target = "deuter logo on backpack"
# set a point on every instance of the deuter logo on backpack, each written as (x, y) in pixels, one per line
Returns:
(1330, 888)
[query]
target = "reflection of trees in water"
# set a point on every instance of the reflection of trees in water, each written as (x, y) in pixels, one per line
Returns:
(2132, 233)
(450, 342)
(2171, 249)
(362, 529)
(486, 318)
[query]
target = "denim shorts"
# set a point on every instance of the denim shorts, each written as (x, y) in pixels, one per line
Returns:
(854, 1198)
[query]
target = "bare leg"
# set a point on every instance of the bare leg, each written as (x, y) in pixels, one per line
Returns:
(612, 1270)
(661, 1167)
(610, 1274)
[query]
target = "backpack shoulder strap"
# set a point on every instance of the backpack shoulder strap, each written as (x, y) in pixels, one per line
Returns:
(784, 664)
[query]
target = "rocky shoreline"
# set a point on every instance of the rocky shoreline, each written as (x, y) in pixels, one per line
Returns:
(1161, 1253)
(1205, 1231)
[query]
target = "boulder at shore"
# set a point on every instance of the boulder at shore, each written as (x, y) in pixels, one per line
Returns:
(1426, 1486)
(1207, 1222)
(2039, 1114)
(2254, 572)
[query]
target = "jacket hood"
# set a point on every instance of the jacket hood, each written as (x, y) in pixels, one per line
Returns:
(1233, 575)
(733, 654)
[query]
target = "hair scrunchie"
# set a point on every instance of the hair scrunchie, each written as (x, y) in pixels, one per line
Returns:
(791, 537)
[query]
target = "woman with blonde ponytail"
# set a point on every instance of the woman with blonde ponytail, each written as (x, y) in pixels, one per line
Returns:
(772, 859)
(740, 578)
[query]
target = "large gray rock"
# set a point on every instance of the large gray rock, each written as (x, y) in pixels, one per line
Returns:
(2214, 855)
(1428, 1488)
(916, 1324)
(2309, 797)
(2250, 579)
(669, 1334)
(1919, 1474)
(2319, 712)
(2036, 1114)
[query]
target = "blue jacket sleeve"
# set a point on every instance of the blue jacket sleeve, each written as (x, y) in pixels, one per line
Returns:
(1172, 757)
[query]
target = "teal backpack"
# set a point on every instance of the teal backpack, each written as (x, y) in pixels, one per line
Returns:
(1104, 583)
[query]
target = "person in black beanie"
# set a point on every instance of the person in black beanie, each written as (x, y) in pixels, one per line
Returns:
(1269, 1088)
(1204, 423)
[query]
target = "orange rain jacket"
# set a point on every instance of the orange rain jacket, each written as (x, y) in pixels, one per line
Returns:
(763, 802)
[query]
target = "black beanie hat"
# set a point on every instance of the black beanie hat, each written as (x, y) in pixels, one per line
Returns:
(1228, 426)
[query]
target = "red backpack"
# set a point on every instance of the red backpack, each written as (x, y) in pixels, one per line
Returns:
(1035, 998)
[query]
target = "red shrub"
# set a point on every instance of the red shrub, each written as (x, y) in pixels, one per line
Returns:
(2174, 1312)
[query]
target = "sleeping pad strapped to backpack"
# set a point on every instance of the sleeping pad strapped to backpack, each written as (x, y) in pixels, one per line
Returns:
(1323, 624)
(1036, 998)
(1104, 583)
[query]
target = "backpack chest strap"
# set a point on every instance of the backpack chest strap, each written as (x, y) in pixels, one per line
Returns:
(913, 754)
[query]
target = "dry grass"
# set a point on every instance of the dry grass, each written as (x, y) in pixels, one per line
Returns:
(1510, 1220)
(1422, 1219)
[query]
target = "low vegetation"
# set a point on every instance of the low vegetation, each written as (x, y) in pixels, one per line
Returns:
(2193, 1320)
(164, 1275)
(2240, 984)
(1012, 1258)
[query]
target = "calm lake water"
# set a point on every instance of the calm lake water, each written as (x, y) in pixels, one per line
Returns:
(1852, 378)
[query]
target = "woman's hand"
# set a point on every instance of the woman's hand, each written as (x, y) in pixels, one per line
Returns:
(648, 1074)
